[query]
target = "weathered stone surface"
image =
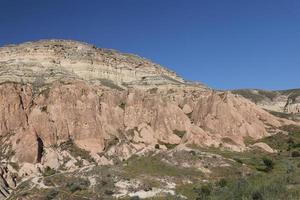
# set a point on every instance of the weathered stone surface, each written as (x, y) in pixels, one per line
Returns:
(110, 106)
(48, 60)
(264, 146)
(91, 116)
(7, 182)
(284, 101)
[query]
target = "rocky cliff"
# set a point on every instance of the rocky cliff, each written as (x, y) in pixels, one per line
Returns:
(48, 60)
(284, 101)
(66, 102)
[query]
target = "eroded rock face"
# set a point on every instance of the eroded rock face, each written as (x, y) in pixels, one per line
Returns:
(92, 116)
(50, 60)
(13, 105)
(293, 105)
(263, 146)
(232, 116)
(109, 106)
(285, 101)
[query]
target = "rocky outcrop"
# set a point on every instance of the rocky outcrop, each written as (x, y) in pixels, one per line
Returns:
(94, 116)
(293, 105)
(263, 146)
(48, 60)
(7, 182)
(68, 103)
(284, 101)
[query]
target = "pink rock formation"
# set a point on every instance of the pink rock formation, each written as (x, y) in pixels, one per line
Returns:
(91, 115)
(112, 117)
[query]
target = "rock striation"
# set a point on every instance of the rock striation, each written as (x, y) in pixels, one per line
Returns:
(48, 60)
(108, 106)
(284, 101)
(7, 182)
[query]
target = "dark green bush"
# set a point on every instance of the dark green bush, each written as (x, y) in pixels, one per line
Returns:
(203, 192)
(179, 133)
(238, 160)
(193, 153)
(222, 182)
(51, 194)
(75, 151)
(269, 164)
(257, 196)
(49, 171)
(81, 184)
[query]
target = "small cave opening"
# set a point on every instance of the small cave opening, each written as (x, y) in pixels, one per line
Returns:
(40, 149)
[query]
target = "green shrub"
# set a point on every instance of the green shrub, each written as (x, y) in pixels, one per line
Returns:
(203, 192)
(49, 171)
(291, 128)
(193, 153)
(257, 196)
(81, 184)
(269, 164)
(179, 133)
(238, 160)
(168, 145)
(222, 182)
(228, 140)
(75, 151)
(51, 194)
(110, 84)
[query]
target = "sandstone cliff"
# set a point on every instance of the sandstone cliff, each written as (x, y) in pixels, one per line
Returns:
(48, 60)
(108, 106)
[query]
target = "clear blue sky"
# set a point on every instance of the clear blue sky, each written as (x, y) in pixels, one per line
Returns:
(226, 44)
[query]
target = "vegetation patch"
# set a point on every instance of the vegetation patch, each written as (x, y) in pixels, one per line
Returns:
(228, 140)
(168, 145)
(284, 143)
(179, 133)
(44, 109)
(293, 93)
(154, 166)
(49, 171)
(51, 194)
(153, 90)
(256, 95)
(282, 115)
(112, 142)
(122, 105)
(75, 151)
(110, 84)
(79, 185)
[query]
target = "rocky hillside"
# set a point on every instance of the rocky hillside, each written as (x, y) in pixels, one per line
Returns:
(66, 104)
(48, 60)
(280, 102)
